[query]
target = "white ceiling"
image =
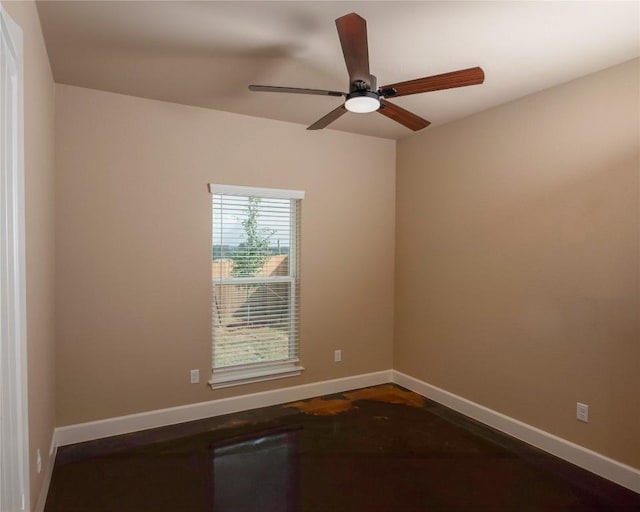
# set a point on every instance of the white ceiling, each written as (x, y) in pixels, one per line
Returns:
(207, 53)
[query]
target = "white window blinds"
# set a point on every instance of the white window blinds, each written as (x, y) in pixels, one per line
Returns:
(255, 284)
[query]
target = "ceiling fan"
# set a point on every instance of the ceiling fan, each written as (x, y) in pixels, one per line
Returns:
(363, 96)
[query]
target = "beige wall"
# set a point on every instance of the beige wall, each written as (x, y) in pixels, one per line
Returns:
(517, 251)
(39, 186)
(133, 247)
(517, 259)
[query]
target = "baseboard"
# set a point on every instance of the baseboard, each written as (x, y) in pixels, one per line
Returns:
(597, 463)
(132, 423)
(48, 472)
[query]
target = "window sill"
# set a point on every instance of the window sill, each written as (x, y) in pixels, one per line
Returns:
(225, 379)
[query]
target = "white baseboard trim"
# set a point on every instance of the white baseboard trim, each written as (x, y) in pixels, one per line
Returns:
(601, 465)
(134, 422)
(48, 472)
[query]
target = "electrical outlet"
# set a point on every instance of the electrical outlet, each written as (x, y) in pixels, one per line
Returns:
(195, 376)
(38, 461)
(582, 412)
(337, 356)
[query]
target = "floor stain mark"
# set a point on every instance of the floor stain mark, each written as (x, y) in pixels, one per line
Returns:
(320, 407)
(387, 393)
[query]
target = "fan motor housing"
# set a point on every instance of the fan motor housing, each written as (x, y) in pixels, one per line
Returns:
(362, 85)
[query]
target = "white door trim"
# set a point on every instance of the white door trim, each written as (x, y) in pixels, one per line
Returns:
(14, 461)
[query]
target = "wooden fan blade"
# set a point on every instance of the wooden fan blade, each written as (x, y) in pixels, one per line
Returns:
(462, 78)
(294, 90)
(402, 116)
(328, 119)
(352, 31)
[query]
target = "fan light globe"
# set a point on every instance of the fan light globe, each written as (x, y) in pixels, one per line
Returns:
(362, 103)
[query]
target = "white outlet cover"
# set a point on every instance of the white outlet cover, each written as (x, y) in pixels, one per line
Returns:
(195, 376)
(337, 356)
(38, 461)
(582, 412)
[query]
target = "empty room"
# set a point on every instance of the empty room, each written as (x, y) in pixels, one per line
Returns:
(320, 256)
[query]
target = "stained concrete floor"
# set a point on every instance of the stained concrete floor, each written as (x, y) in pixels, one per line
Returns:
(375, 449)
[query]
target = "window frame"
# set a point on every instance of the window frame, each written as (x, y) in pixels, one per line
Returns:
(263, 371)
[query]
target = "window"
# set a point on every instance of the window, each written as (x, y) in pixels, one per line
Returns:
(255, 284)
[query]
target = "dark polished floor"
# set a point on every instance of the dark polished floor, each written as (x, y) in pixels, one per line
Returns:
(375, 449)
